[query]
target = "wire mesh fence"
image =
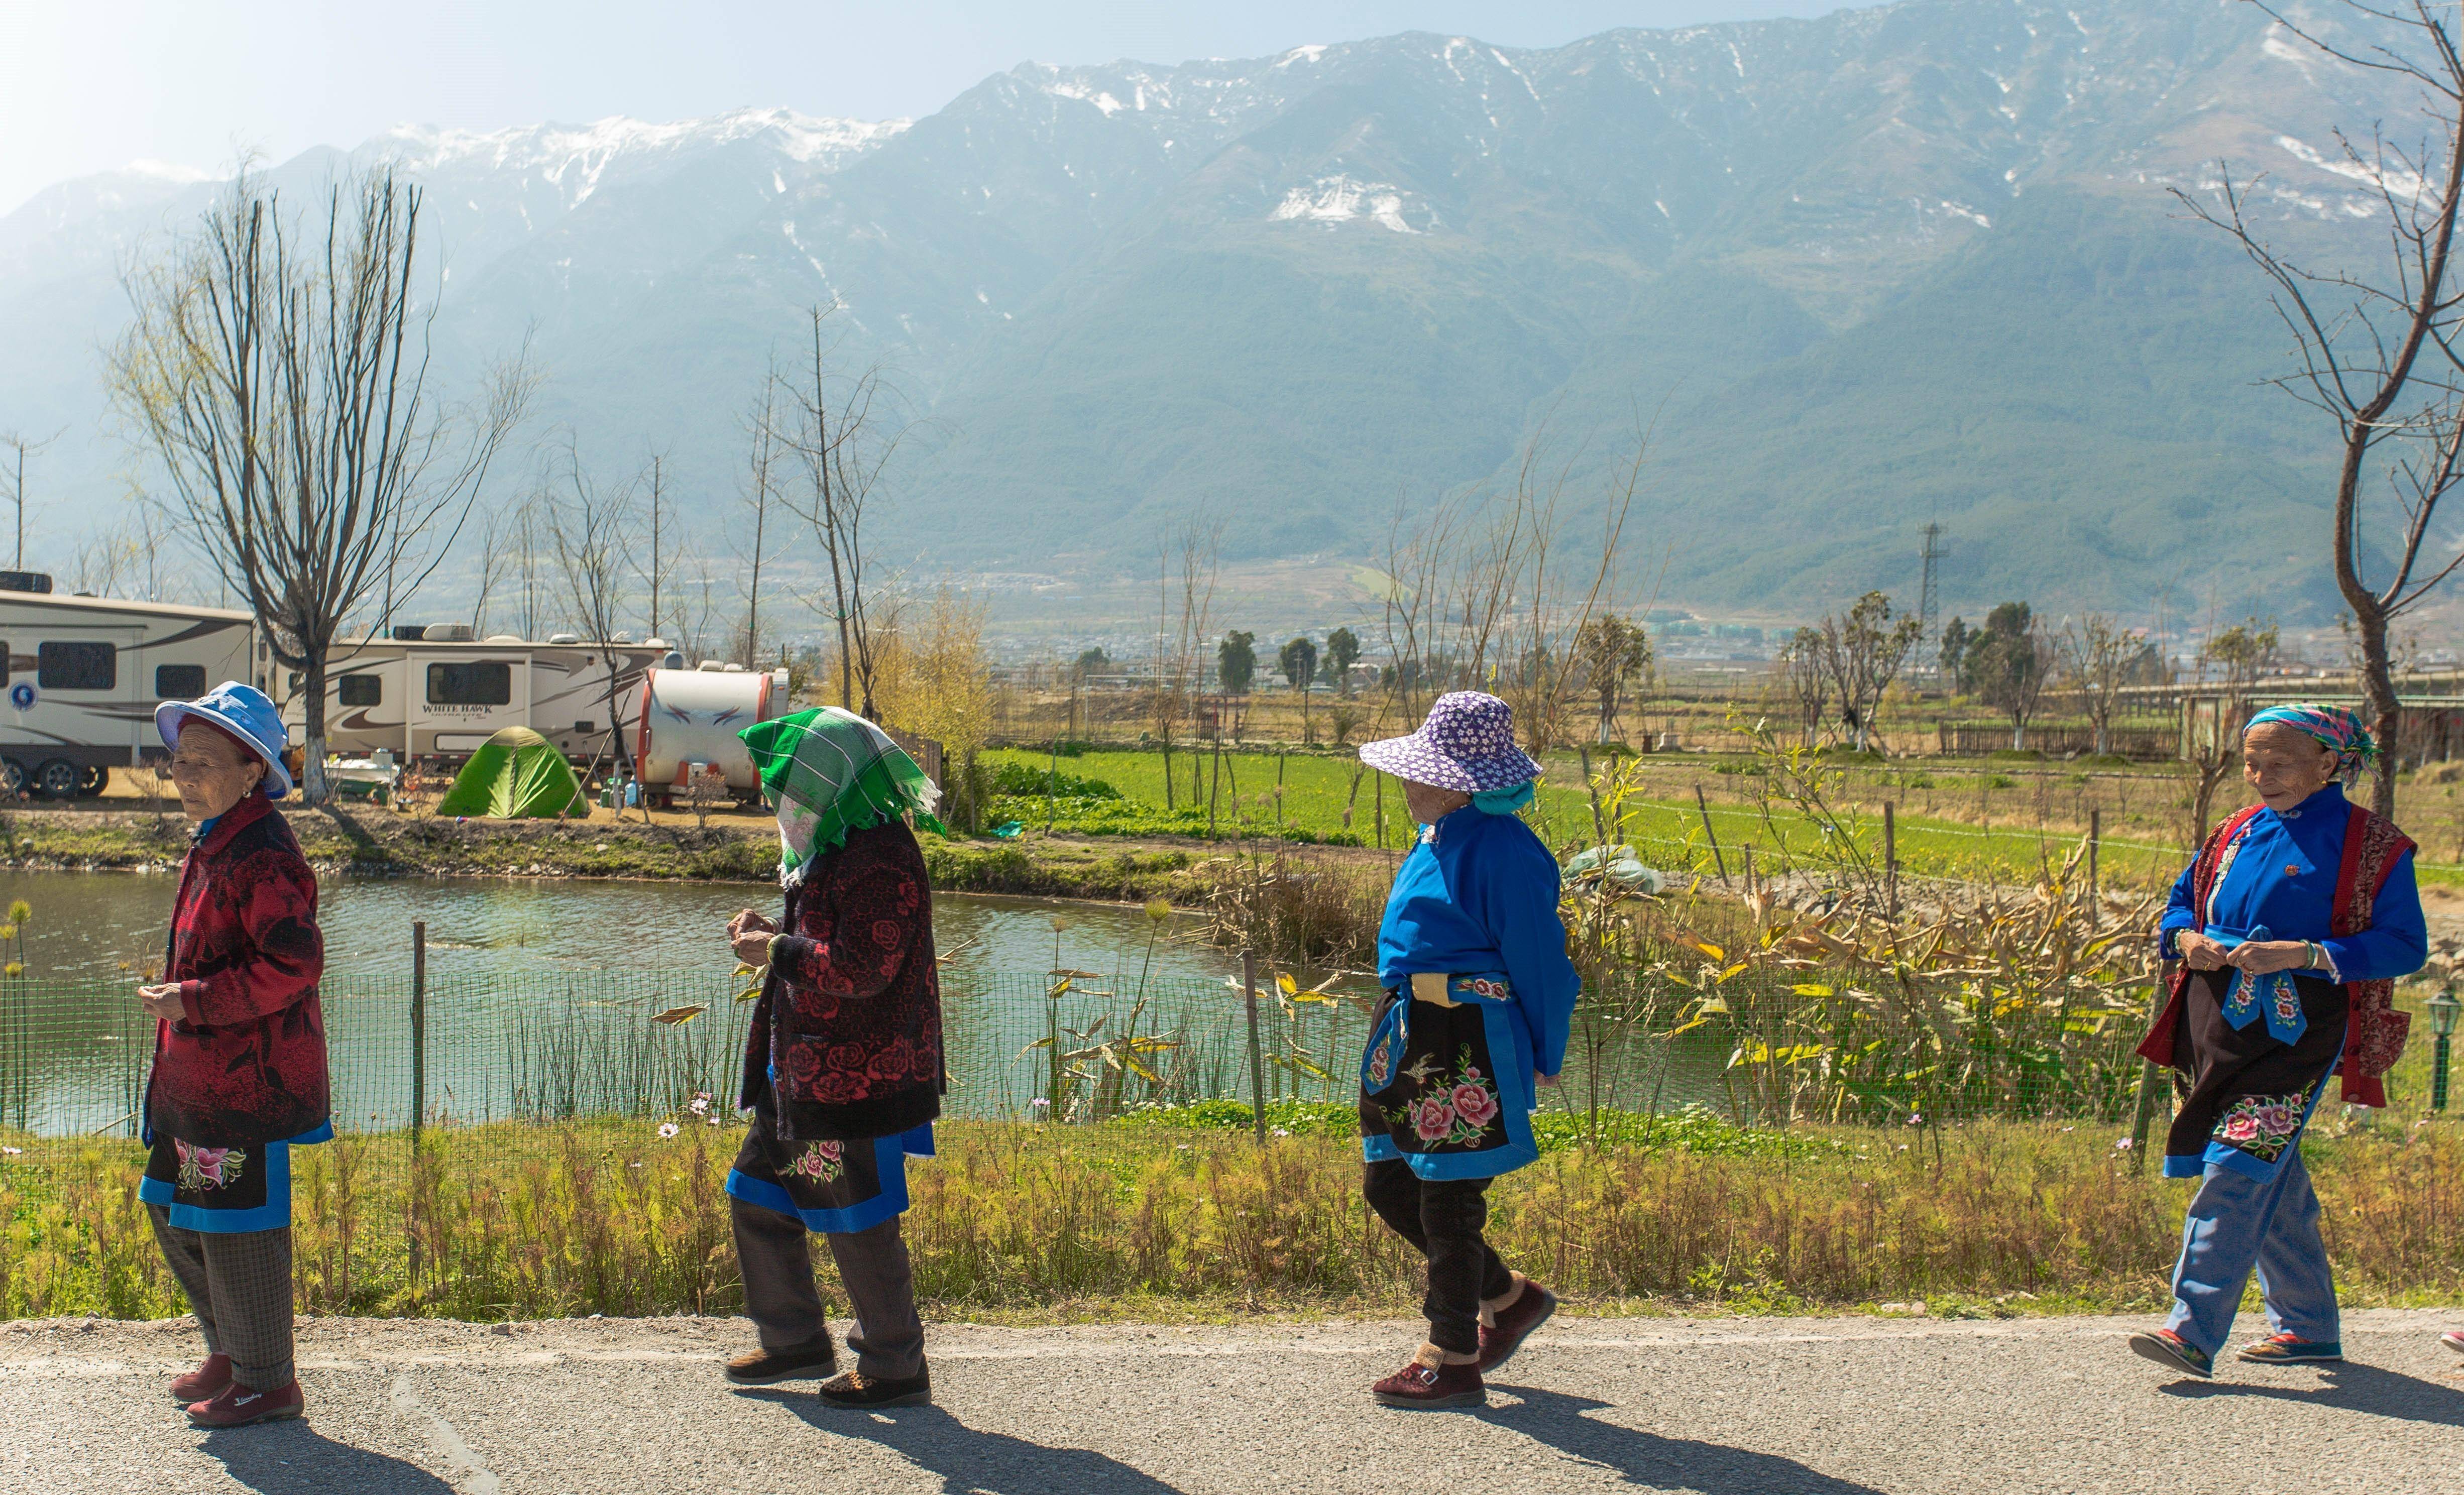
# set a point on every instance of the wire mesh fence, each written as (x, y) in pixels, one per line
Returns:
(1758, 1047)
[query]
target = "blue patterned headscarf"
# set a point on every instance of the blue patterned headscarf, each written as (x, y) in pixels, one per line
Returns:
(2331, 725)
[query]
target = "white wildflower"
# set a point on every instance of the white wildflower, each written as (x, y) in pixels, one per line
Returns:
(667, 1128)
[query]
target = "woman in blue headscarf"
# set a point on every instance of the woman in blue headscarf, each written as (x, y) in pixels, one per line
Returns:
(2283, 941)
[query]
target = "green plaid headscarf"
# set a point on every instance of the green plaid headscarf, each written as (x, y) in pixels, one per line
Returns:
(828, 771)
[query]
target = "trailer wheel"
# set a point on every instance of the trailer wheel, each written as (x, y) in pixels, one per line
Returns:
(56, 779)
(12, 777)
(91, 780)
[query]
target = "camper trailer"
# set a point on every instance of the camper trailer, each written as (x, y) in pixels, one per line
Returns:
(437, 692)
(83, 675)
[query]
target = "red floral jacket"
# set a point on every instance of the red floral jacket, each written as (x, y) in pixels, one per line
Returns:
(247, 1064)
(847, 1031)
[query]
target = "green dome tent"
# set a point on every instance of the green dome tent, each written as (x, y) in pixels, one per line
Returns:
(515, 775)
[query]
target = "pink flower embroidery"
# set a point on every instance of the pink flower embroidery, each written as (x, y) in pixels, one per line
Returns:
(2240, 1128)
(1432, 1118)
(1474, 1103)
(2275, 1120)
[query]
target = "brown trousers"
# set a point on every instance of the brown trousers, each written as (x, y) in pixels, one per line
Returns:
(239, 1286)
(777, 1260)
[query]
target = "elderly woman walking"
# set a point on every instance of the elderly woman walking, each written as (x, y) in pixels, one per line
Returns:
(239, 1054)
(842, 1067)
(1478, 995)
(2290, 928)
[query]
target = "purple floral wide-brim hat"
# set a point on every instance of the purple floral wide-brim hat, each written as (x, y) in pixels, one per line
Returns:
(1467, 744)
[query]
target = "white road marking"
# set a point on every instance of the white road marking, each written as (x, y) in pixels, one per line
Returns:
(476, 1477)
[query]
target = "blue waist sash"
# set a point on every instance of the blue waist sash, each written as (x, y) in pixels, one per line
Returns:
(2249, 996)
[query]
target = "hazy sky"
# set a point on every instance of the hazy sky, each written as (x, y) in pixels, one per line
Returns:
(87, 87)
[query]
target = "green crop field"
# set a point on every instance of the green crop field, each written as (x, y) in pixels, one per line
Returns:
(1305, 796)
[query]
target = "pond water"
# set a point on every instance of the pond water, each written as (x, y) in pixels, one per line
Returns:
(542, 992)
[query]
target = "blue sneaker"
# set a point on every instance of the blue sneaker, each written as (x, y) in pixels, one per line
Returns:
(2291, 1350)
(2172, 1351)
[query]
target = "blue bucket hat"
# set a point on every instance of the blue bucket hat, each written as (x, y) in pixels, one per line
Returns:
(245, 712)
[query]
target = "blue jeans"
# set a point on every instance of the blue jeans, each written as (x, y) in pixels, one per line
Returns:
(2237, 1223)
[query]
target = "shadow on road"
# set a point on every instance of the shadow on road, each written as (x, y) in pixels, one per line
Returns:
(282, 1458)
(1557, 1419)
(2351, 1388)
(968, 1461)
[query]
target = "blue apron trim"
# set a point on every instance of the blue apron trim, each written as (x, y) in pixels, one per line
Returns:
(2185, 1165)
(890, 1156)
(272, 1215)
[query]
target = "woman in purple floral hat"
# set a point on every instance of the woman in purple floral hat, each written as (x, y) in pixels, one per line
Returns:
(1478, 995)
(2283, 941)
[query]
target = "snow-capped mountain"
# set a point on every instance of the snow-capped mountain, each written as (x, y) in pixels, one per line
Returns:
(1906, 261)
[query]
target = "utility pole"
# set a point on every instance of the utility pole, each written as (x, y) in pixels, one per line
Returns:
(1926, 596)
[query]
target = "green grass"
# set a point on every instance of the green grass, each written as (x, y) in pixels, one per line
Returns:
(1669, 833)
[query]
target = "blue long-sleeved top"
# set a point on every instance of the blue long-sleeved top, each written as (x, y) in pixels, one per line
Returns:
(2284, 876)
(1480, 894)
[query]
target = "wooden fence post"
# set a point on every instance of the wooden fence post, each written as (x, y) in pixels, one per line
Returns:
(1890, 861)
(2150, 1076)
(418, 1082)
(1717, 860)
(1257, 1056)
(2095, 844)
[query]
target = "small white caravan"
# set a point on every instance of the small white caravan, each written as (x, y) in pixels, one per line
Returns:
(437, 692)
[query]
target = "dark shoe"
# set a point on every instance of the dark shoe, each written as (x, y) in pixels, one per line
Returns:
(2172, 1351)
(1515, 1324)
(238, 1406)
(1422, 1387)
(204, 1383)
(2291, 1350)
(814, 1360)
(862, 1392)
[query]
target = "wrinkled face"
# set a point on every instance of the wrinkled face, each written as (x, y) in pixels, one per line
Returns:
(211, 772)
(2284, 765)
(1429, 804)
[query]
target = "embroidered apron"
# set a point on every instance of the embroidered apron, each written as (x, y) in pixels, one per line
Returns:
(223, 1189)
(837, 1188)
(1445, 1086)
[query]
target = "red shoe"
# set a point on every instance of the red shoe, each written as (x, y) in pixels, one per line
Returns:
(238, 1406)
(1515, 1324)
(204, 1383)
(2453, 1339)
(1423, 1387)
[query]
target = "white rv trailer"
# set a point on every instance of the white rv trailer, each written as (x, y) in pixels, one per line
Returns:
(84, 674)
(439, 694)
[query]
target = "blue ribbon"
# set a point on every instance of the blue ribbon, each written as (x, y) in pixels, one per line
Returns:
(2271, 995)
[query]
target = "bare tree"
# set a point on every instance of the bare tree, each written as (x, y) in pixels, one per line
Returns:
(591, 527)
(841, 433)
(761, 492)
(501, 557)
(2380, 358)
(659, 559)
(2212, 735)
(1806, 675)
(1183, 625)
(2097, 657)
(20, 446)
(1862, 652)
(281, 379)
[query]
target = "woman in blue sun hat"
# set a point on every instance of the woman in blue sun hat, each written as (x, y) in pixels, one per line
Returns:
(239, 1069)
(1479, 997)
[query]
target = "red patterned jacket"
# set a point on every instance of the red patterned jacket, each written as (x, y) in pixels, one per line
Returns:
(847, 1031)
(247, 1064)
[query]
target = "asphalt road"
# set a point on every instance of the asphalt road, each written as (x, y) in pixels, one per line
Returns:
(1721, 1407)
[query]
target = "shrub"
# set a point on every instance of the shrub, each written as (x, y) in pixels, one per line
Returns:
(1016, 778)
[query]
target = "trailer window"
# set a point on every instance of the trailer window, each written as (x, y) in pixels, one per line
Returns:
(179, 682)
(77, 667)
(363, 691)
(483, 682)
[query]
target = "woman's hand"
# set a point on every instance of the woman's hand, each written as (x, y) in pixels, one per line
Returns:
(1540, 1081)
(163, 1001)
(2200, 952)
(2259, 957)
(749, 936)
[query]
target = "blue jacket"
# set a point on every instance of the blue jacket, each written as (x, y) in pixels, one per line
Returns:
(1479, 894)
(2283, 877)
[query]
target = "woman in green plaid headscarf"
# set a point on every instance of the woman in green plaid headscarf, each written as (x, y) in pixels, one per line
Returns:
(828, 771)
(842, 1065)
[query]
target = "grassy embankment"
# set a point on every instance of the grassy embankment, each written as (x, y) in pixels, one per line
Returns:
(1050, 1222)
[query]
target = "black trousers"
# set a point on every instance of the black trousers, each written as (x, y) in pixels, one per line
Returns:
(1444, 1217)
